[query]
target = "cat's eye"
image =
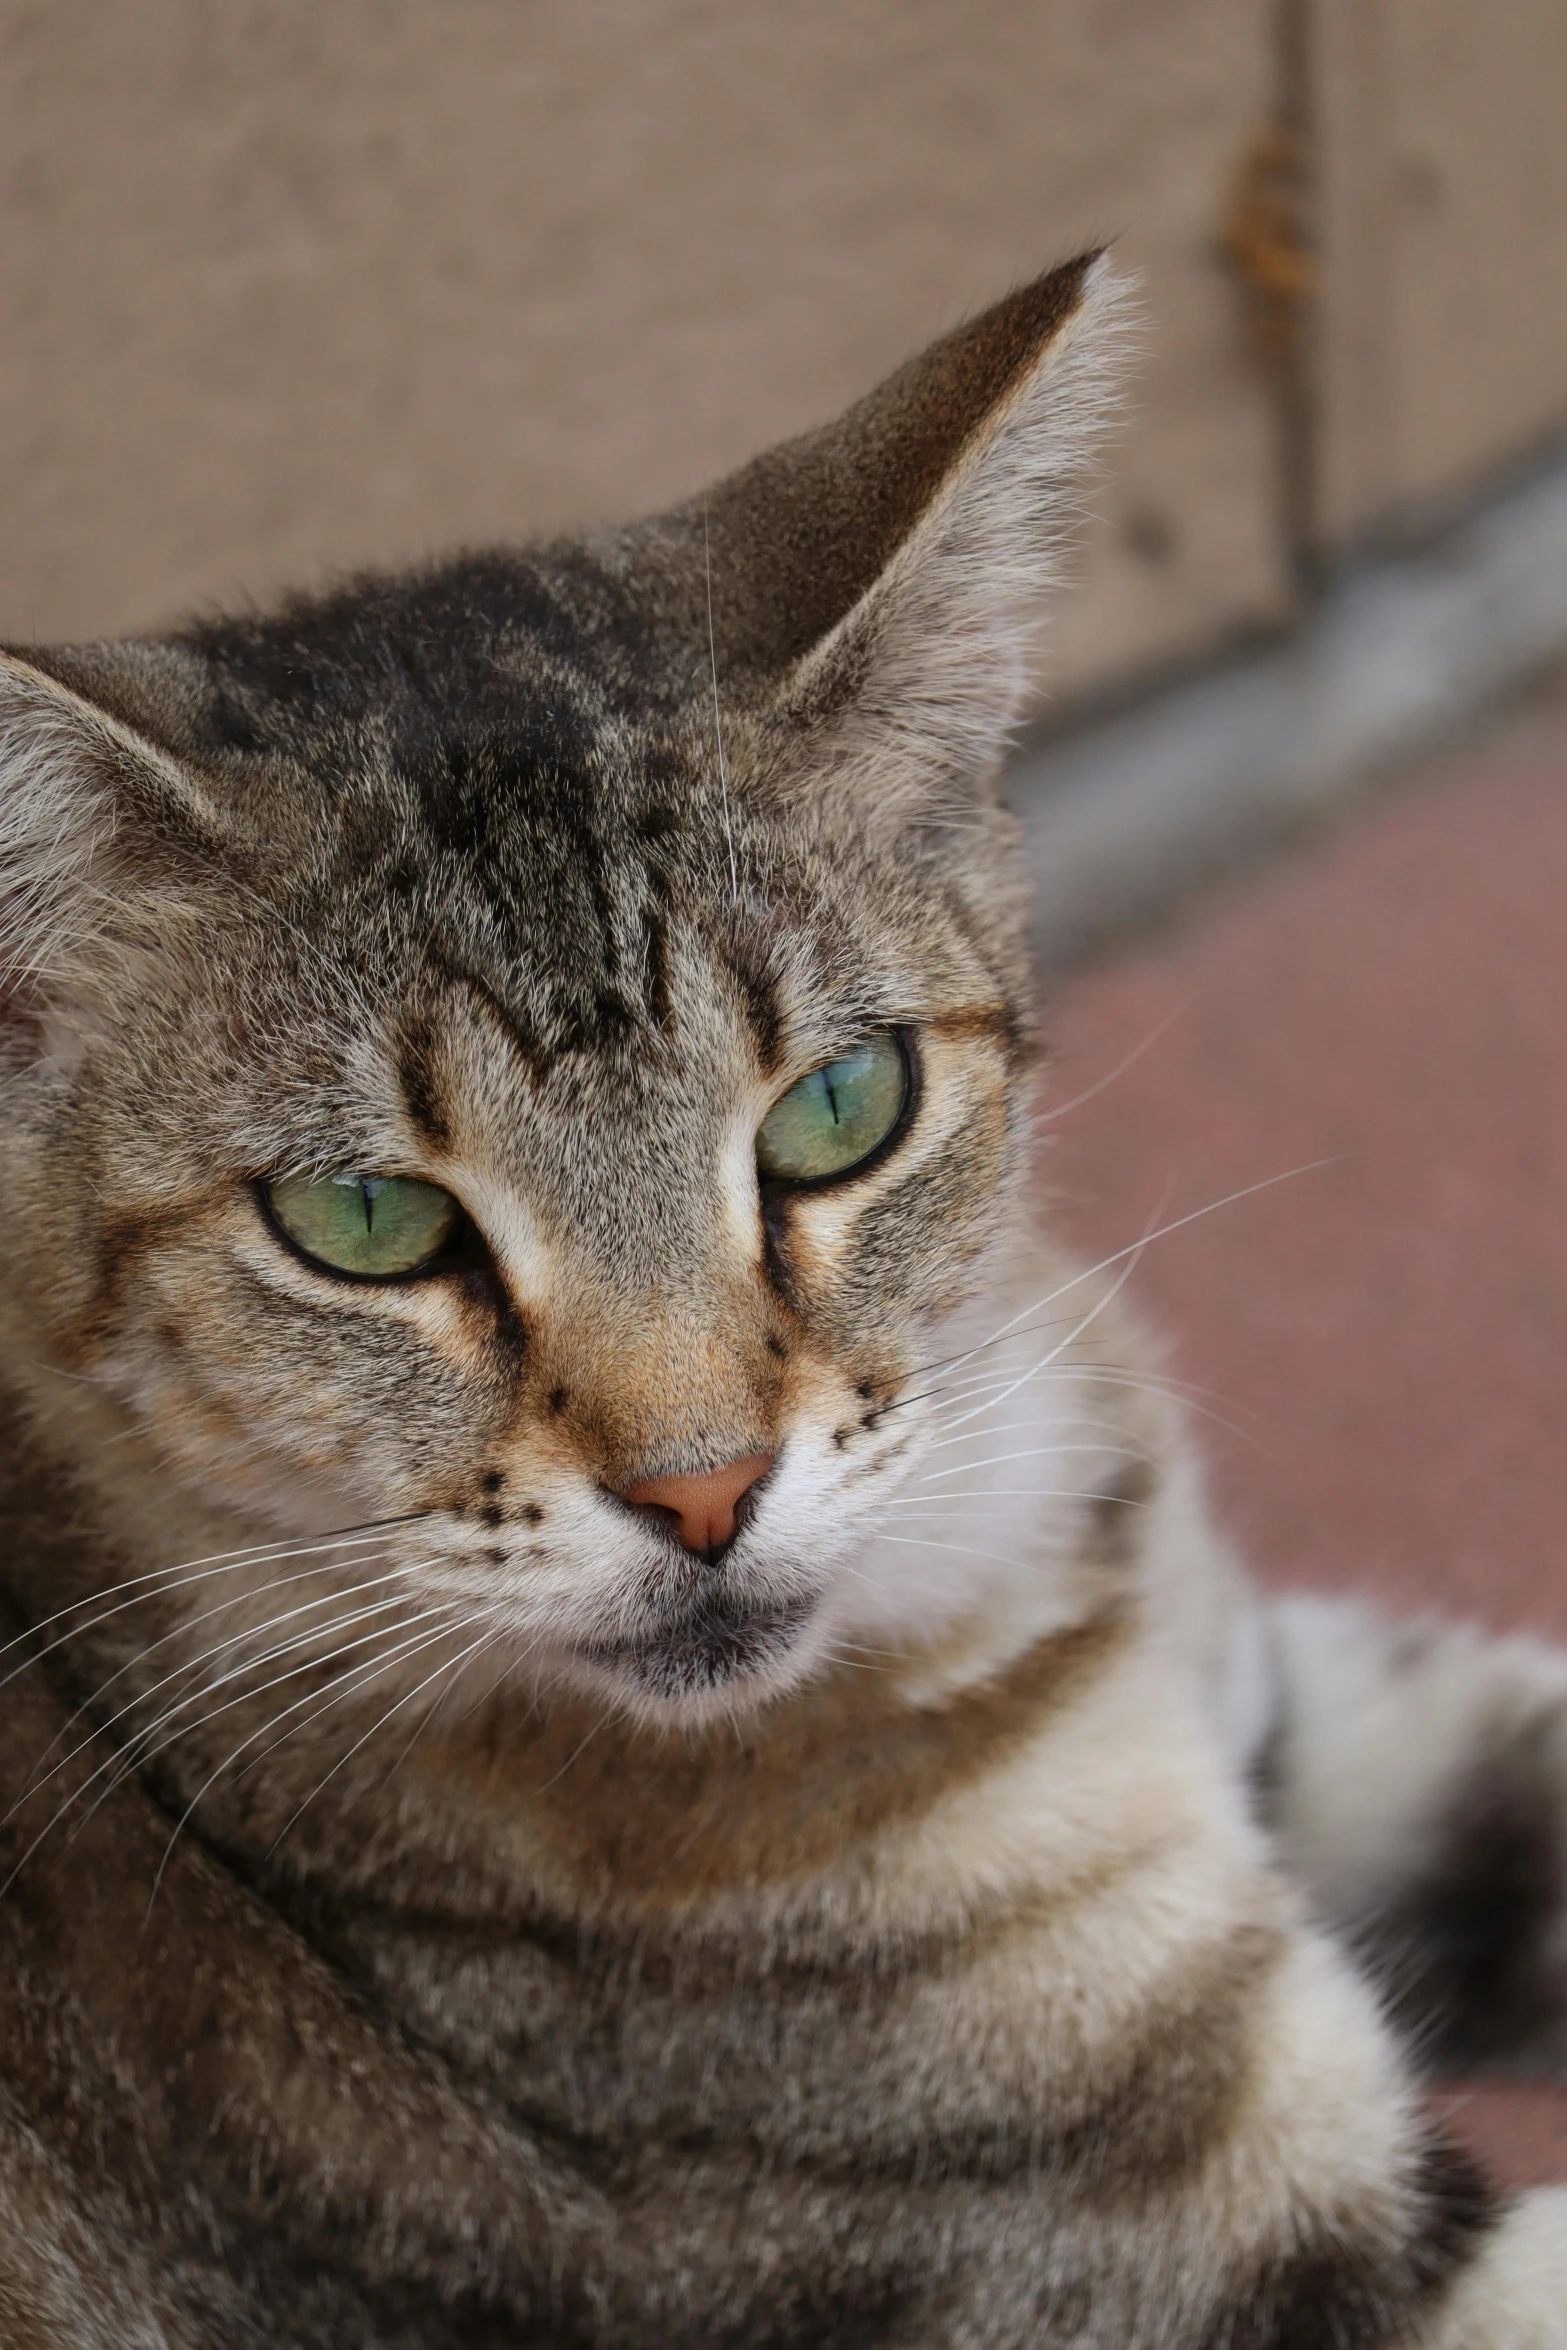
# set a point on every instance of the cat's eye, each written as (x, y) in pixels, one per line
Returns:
(833, 1120)
(375, 1227)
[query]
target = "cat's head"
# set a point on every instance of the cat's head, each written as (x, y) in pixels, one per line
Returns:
(532, 1047)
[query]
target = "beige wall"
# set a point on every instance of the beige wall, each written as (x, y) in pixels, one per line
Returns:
(1442, 162)
(293, 284)
(314, 282)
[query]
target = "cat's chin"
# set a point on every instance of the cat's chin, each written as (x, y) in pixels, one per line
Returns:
(707, 1661)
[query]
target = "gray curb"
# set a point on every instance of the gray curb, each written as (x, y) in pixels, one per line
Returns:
(1124, 814)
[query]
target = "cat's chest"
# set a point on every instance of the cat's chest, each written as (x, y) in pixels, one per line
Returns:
(607, 2037)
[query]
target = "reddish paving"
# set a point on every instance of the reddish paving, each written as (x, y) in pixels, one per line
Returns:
(1390, 1329)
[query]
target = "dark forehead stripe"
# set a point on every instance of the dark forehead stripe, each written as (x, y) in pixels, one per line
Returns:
(419, 1077)
(506, 1022)
(564, 980)
(748, 968)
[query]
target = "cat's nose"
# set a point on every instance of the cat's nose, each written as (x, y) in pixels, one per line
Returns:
(704, 1507)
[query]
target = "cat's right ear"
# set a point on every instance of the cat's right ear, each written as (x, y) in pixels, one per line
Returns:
(99, 827)
(871, 591)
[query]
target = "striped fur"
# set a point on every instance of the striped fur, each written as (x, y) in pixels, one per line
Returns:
(436, 1910)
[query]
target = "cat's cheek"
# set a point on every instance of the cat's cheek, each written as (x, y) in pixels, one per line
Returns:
(231, 1453)
(267, 1403)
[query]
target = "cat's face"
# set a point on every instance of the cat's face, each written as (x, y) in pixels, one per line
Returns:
(508, 1079)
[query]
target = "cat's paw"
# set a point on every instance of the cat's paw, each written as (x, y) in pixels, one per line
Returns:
(1514, 2297)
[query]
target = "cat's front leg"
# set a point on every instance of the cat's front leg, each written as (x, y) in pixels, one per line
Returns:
(1415, 1775)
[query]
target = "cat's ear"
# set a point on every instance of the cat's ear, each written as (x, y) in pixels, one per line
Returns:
(876, 585)
(97, 820)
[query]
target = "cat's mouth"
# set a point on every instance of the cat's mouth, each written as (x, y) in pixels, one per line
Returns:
(703, 1649)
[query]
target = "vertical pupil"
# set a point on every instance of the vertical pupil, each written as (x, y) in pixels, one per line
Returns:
(370, 1190)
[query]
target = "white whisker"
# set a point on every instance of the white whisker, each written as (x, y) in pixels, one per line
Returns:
(961, 1549)
(361, 1675)
(188, 1571)
(1064, 1109)
(1134, 1249)
(1161, 1390)
(118, 1768)
(307, 1646)
(451, 1668)
(148, 1743)
(1112, 1428)
(997, 1460)
(415, 1646)
(233, 1639)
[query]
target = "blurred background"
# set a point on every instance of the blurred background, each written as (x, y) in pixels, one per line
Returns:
(290, 287)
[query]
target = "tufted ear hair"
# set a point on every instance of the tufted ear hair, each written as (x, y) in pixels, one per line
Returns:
(96, 821)
(876, 585)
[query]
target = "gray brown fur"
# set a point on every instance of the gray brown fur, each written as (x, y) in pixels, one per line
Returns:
(704, 1967)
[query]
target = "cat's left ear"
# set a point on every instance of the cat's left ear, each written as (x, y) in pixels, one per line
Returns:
(876, 586)
(99, 824)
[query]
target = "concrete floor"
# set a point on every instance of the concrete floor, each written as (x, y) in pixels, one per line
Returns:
(1388, 1331)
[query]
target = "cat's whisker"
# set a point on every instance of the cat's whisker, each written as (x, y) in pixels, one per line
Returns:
(955, 1361)
(1128, 1259)
(962, 1505)
(1068, 1420)
(167, 1711)
(1091, 1373)
(948, 1395)
(1134, 1250)
(459, 1616)
(961, 1549)
(1033, 1452)
(1054, 1353)
(1064, 1109)
(137, 1757)
(575, 1755)
(996, 1460)
(179, 1631)
(959, 1504)
(116, 1770)
(1159, 1390)
(376, 1666)
(217, 1562)
(868, 1648)
(836, 1653)
(321, 1639)
(433, 1708)
(968, 1509)
(969, 1426)
(148, 1741)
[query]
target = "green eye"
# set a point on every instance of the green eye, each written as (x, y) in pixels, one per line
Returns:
(835, 1117)
(375, 1226)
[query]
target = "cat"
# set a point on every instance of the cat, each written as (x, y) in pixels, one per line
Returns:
(623, 1725)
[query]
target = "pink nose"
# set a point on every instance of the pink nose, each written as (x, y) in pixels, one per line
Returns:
(704, 1507)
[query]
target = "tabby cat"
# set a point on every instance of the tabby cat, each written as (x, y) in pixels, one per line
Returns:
(622, 1726)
